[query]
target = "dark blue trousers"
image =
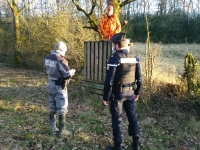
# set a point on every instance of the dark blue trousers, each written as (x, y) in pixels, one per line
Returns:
(116, 108)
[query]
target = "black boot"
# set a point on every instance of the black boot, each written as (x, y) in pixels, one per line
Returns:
(62, 127)
(52, 124)
(135, 143)
(115, 147)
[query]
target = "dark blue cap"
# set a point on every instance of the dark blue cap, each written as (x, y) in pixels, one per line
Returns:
(117, 38)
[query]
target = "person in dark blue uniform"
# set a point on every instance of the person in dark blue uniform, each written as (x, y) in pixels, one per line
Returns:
(121, 88)
(58, 73)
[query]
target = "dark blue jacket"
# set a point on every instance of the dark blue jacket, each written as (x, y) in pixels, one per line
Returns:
(113, 62)
(56, 66)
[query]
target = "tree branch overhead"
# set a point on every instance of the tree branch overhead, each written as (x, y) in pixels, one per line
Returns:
(88, 15)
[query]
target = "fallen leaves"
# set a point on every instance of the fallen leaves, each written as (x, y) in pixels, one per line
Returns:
(24, 122)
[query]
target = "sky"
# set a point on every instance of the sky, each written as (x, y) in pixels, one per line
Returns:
(153, 5)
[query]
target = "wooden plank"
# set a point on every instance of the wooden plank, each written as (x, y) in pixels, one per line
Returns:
(109, 49)
(93, 87)
(96, 55)
(92, 60)
(100, 68)
(95, 91)
(88, 60)
(96, 62)
(85, 62)
(105, 49)
(108, 54)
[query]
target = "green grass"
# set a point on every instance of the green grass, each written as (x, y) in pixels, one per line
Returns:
(171, 55)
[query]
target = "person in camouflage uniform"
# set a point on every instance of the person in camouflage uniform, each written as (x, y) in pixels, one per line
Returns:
(109, 24)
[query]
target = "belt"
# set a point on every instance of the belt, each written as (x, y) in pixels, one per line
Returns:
(127, 85)
(123, 87)
(127, 89)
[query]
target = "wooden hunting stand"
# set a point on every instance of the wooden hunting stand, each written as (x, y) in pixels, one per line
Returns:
(96, 55)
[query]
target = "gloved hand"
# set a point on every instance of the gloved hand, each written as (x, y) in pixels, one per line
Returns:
(72, 72)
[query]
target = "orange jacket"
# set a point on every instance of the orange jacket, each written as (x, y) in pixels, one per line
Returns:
(109, 26)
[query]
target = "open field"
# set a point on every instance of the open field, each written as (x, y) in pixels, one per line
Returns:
(171, 55)
(165, 122)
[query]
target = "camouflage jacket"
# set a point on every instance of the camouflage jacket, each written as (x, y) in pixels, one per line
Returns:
(109, 26)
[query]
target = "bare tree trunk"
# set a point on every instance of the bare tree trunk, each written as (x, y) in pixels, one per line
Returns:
(16, 20)
(27, 11)
(87, 5)
(144, 7)
(147, 49)
(45, 6)
(170, 6)
(128, 12)
(101, 6)
(58, 5)
(0, 16)
(13, 4)
(163, 5)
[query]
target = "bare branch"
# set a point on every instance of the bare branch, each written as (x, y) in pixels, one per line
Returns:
(88, 15)
(87, 27)
(93, 6)
(26, 5)
(125, 3)
(14, 2)
(124, 24)
(10, 3)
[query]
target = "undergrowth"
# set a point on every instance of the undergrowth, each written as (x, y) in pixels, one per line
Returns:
(166, 121)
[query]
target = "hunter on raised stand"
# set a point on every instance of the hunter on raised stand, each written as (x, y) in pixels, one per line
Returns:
(109, 24)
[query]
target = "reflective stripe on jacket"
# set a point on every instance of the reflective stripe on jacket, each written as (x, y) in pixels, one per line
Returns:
(56, 66)
(125, 72)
